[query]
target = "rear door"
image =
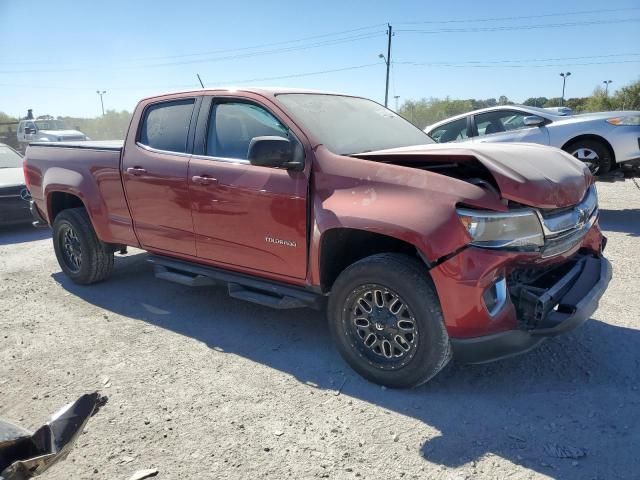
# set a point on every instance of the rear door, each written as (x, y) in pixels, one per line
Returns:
(508, 126)
(155, 165)
(247, 216)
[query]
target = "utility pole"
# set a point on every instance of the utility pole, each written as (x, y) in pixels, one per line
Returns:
(396, 97)
(564, 82)
(387, 60)
(606, 87)
(101, 93)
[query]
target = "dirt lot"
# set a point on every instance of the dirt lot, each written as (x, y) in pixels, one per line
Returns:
(204, 386)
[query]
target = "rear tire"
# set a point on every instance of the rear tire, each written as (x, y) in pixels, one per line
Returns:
(385, 318)
(83, 257)
(593, 153)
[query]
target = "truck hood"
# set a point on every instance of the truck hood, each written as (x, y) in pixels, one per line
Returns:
(61, 133)
(530, 174)
(11, 177)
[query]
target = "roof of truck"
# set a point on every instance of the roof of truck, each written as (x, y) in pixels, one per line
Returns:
(264, 91)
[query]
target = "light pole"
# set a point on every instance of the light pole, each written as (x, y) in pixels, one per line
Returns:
(564, 82)
(397, 97)
(101, 93)
(606, 87)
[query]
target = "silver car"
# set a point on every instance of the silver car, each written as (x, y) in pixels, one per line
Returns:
(601, 140)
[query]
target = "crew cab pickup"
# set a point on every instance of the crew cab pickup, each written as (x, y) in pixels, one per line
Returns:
(418, 252)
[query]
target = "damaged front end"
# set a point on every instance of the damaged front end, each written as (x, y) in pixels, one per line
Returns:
(528, 274)
(25, 454)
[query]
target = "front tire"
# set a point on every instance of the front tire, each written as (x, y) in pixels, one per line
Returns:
(385, 318)
(593, 153)
(83, 257)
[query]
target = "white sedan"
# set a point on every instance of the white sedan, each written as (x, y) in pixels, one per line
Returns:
(601, 140)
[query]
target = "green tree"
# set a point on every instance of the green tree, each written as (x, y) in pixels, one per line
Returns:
(627, 97)
(535, 101)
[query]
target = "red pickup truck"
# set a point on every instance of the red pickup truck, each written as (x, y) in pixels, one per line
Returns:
(419, 252)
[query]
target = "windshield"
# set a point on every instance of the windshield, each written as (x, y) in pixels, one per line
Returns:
(9, 158)
(348, 125)
(50, 125)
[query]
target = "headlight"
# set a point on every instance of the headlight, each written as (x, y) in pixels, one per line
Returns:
(519, 230)
(626, 120)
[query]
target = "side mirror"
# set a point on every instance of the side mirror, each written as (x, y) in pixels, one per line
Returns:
(533, 121)
(29, 130)
(270, 152)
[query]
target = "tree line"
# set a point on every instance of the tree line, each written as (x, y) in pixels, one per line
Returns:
(426, 111)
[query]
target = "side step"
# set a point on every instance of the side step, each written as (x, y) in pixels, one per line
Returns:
(243, 287)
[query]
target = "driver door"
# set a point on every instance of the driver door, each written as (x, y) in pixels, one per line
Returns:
(247, 216)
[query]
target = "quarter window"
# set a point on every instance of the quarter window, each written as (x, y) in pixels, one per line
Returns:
(233, 125)
(451, 132)
(500, 121)
(166, 125)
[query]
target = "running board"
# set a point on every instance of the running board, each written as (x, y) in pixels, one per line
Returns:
(243, 287)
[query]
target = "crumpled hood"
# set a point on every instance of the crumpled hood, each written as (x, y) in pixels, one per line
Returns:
(531, 174)
(61, 133)
(10, 177)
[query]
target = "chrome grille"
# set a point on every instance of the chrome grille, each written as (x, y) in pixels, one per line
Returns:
(565, 229)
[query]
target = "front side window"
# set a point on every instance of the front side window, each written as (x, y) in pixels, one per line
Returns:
(166, 125)
(499, 122)
(233, 125)
(451, 132)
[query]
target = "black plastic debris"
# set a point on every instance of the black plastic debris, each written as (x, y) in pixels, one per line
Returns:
(25, 454)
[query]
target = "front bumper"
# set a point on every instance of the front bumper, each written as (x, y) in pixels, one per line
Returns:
(561, 307)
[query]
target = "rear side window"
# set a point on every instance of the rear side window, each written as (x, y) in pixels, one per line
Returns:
(451, 132)
(165, 125)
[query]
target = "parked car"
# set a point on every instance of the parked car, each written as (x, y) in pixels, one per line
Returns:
(601, 140)
(39, 130)
(14, 196)
(294, 198)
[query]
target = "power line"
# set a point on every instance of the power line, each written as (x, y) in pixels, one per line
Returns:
(519, 27)
(474, 64)
(194, 86)
(525, 17)
(557, 59)
(306, 74)
(555, 65)
(215, 59)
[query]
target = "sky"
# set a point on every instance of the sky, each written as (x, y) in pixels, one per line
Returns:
(55, 55)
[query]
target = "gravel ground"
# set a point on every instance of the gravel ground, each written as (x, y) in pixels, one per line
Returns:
(204, 386)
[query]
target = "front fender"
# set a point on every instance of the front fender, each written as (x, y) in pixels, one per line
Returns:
(412, 205)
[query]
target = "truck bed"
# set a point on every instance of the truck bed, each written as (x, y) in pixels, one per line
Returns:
(88, 171)
(89, 145)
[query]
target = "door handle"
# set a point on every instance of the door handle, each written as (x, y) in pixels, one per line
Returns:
(137, 171)
(204, 180)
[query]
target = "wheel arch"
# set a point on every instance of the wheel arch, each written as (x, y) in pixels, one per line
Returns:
(343, 246)
(57, 201)
(593, 137)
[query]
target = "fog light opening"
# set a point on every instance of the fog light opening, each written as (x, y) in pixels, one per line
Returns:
(495, 296)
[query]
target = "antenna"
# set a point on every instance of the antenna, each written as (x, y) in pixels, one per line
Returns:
(200, 80)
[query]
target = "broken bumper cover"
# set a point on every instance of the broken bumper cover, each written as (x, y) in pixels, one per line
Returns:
(576, 295)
